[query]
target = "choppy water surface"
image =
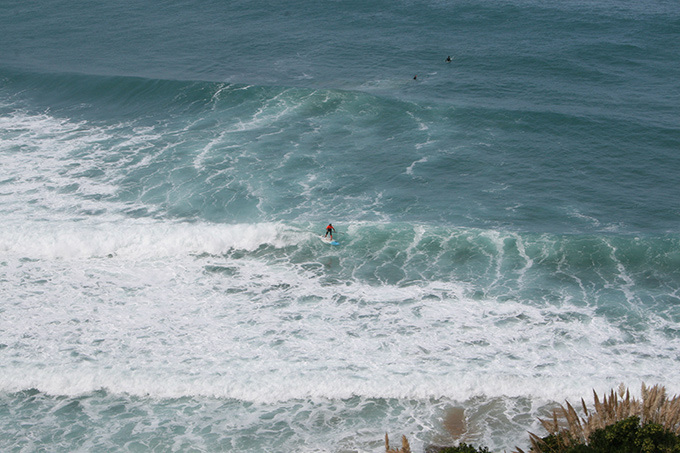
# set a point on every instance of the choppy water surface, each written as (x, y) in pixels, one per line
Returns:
(508, 221)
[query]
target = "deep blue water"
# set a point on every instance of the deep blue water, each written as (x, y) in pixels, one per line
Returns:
(508, 221)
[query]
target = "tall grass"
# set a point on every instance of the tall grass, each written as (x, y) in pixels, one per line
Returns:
(405, 447)
(653, 407)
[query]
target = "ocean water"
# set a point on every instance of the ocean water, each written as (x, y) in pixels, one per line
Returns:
(508, 221)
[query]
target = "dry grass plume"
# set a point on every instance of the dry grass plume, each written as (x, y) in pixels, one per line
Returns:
(653, 407)
(405, 447)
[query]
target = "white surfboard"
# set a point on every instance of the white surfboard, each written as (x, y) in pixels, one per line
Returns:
(327, 240)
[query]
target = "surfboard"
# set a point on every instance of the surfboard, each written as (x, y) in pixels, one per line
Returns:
(327, 240)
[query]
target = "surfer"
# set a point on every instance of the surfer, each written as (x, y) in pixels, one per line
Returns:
(448, 59)
(329, 230)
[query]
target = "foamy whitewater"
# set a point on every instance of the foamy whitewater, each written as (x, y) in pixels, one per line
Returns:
(508, 221)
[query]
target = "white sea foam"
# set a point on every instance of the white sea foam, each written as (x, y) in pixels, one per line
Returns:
(48, 159)
(135, 239)
(172, 314)
(267, 114)
(409, 169)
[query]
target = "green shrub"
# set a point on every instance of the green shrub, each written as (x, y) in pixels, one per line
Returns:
(619, 423)
(463, 448)
(625, 436)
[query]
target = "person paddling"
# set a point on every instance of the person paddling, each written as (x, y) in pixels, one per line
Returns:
(329, 230)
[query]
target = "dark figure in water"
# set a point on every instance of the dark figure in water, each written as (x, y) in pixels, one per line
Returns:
(448, 59)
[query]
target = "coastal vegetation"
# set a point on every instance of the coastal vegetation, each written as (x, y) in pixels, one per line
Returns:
(617, 423)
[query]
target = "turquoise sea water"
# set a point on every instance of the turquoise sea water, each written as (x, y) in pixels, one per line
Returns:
(508, 221)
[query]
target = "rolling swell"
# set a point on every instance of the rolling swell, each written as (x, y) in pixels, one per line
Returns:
(201, 150)
(225, 152)
(126, 96)
(534, 268)
(111, 96)
(210, 151)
